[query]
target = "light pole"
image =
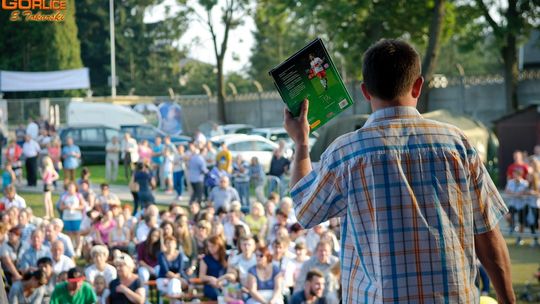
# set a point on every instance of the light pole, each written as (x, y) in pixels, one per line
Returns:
(113, 49)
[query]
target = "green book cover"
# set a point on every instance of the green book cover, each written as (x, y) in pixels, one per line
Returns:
(311, 74)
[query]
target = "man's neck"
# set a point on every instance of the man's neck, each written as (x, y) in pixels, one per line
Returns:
(310, 298)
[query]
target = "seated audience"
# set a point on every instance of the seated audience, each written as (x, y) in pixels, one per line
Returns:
(36, 250)
(171, 278)
(126, 288)
(264, 280)
(313, 291)
(74, 287)
(31, 290)
(99, 255)
(61, 262)
(213, 266)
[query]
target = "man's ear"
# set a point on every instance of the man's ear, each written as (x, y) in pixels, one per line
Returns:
(365, 92)
(417, 87)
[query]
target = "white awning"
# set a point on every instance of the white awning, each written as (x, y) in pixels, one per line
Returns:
(11, 81)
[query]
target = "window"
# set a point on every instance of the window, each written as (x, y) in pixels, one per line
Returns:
(92, 135)
(146, 132)
(110, 133)
(263, 146)
(75, 134)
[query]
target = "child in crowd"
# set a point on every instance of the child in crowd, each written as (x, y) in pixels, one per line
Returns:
(101, 290)
(8, 176)
(49, 175)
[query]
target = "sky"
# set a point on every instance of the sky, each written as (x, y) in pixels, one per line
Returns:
(199, 42)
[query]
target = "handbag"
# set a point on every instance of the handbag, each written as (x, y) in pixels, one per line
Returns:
(133, 185)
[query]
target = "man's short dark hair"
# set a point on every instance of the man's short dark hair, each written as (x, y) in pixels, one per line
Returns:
(45, 261)
(390, 68)
(314, 273)
(74, 273)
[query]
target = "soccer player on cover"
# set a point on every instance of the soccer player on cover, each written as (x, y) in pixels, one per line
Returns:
(317, 68)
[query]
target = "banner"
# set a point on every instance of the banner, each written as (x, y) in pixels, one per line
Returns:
(11, 81)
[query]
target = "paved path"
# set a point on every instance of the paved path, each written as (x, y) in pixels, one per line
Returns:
(121, 190)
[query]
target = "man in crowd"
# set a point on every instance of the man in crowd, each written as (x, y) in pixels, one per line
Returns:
(32, 129)
(157, 159)
(9, 254)
(130, 154)
(31, 151)
(36, 250)
(52, 235)
(60, 261)
(75, 291)
(196, 172)
(45, 264)
(403, 177)
(71, 154)
(323, 260)
(223, 195)
(313, 292)
(106, 198)
(12, 199)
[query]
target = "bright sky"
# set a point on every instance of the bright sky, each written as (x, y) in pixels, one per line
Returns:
(198, 41)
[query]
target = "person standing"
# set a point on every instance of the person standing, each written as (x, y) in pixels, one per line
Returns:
(178, 171)
(111, 159)
(196, 171)
(279, 166)
(403, 177)
(30, 152)
(49, 176)
(157, 159)
(71, 154)
(32, 129)
(224, 159)
(130, 156)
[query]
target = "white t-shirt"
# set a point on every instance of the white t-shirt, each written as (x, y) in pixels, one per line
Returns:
(109, 273)
(63, 264)
(17, 201)
(72, 201)
(142, 232)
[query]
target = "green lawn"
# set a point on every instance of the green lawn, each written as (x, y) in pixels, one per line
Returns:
(97, 175)
(525, 260)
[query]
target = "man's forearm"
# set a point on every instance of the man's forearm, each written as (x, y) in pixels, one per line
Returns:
(301, 165)
(493, 253)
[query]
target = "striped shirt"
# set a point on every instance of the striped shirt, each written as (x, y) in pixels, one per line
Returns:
(412, 193)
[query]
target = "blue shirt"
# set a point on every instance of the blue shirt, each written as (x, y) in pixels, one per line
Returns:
(197, 168)
(71, 162)
(6, 179)
(174, 266)
(30, 257)
(157, 149)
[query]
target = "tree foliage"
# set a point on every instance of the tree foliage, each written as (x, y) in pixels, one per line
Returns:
(147, 57)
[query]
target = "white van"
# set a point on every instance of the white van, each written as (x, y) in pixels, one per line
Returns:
(102, 113)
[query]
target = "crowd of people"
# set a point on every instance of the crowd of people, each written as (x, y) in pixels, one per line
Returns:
(523, 194)
(224, 245)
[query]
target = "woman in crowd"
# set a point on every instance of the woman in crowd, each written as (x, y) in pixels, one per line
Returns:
(120, 236)
(172, 278)
(213, 266)
(104, 228)
(178, 171)
(257, 221)
(264, 280)
(126, 288)
(145, 152)
(187, 242)
(72, 206)
(31, 290)
(49, 176)
(146, 182)
(99, 255)
(147, 256)
(202, 232)
(13, 156)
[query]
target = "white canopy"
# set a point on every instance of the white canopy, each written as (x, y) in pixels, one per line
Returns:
(11, 81)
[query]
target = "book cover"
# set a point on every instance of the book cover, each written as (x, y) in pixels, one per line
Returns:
(311, 74)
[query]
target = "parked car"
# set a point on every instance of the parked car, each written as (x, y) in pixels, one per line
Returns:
(248, 146)
(149, 132)
(276, 134)
(237, 128)
(91, 139)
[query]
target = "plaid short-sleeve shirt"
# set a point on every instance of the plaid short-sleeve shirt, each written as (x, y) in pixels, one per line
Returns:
(412, 193)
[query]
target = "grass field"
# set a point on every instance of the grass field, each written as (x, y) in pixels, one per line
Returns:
(525, 260)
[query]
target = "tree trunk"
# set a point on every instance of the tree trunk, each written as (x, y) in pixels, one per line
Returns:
(509, 54)
(222, 117)
(432, 52)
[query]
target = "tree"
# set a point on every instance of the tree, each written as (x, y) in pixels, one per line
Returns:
(232, 13)
(514, 25)
(147, 58)
(40, 46)
(278, 35)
